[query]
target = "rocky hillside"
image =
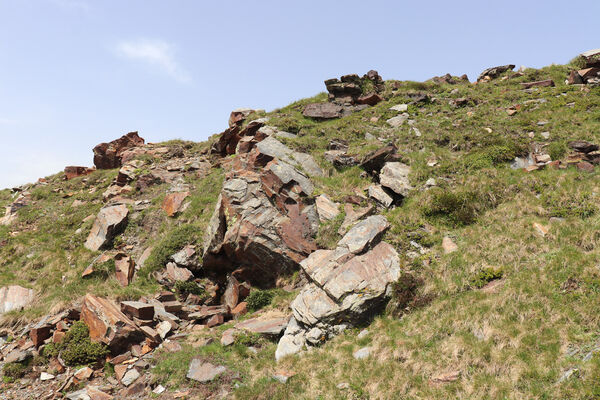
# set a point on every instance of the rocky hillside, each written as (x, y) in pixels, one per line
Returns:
(385, 239)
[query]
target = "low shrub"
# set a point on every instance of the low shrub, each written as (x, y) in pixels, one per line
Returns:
(404, 292)
(484, 276)
(258, 299)
(15, 370)
(171, 244)
(490, 157)
(557, 150)
(76, 348)
(184, 289)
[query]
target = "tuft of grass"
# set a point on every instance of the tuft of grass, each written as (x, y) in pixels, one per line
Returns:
(258, 299)
(485, 276)
(76, 348)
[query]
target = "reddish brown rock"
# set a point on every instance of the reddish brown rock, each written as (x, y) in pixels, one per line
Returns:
(138, 309)
(215, 320)
(151, 334)
(96, 394)
(120, 371)
(273, 326)
(39, 334)
(173, 202)
(172, 307)
(588, 73)
(178, 274)
(544, 83)
(574, 78)
(585, 166)
(83, 374)
(108, 155)
(239, 310)
(238, 116)
(124, 268)
(74, 172)
(208, 311)
(107, 324)
(582, 146)
(110, 221)
(370, 99)
(374, 161)
(58, 336)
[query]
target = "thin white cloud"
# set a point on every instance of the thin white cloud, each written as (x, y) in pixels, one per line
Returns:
(157, 53)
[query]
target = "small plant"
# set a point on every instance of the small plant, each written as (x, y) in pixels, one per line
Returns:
(557, 150)
(258, 299)
(404, 291)
(248, 339)
(489, 157)
(15, 370)
(171, 244)
(484, 276)
(184, 289)
(459, 208)
(76, 348)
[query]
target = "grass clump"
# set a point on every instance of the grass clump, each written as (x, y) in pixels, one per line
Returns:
(258, 299)
(457, 208)
(14, 370)
(490, 157)
(76, 348)
(183, 289)
(171, 244)
(485, 276)
(557, 150)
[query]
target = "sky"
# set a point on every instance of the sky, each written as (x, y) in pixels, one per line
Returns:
(75, 73)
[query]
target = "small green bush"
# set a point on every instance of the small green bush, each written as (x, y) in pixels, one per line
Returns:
(489, 157)
(184, 289)
(76, 347)
(258, 299)
(15, 370)
(404, 290)
(171, 244)
(248, 339)
(565, 203)
(459, 208)
(557, 150)
(484, 276)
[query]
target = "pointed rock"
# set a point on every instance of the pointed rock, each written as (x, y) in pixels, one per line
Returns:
(110, 221)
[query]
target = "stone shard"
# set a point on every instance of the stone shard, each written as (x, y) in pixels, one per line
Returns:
(107, 324)
(370, 99)
(394, 176)
(374, 161)
(494, 72)
(174, 202)
(124, 268)
(231, 296)
(108, 155)
(582, 146)
(544, 83)
(326, 208)
(273, 148)
(203, 372)
(15, 298)
(238, 116)
(378, 193)
(363, 234)
(138, 309)
(111, 220)
(323, 111)
(270, 326)
(178, 274)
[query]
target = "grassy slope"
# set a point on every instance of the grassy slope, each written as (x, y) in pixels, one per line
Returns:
(513, 343)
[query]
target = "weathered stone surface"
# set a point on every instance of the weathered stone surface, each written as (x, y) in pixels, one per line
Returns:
(394, 176)
(74, 172)
(370, 99)
(108, 155)
(203, 371)
(238, 116)
(272, 326)
(494, 72)
(177, 274)
(39, 333)
(186, 257)
(353, 215)
(173, 203)
(323, 111)
(10, 215)
(215, 320)
(397, 121)
(448, 245)
(339, 158)
(228, 337)
(83, 374)
(239, 310)
(130, 376)
(231, 296)
(124, 268)
(138, 309)
(363, 353)
(574, 78)
(326, 208)
(544, 83)
(374, 161)
(347, 286)
(264, 219)
(107, 324)
(15, 298)
(273, 148)
(110, 221)
(208, 311)
(582, 146)
(377, 193)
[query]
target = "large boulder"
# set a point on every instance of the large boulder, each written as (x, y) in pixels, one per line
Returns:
(265, 219)
(108, 325)
(347, 285)
(394, 176)
(15, 298)
(109, 155)
(111, 220)
(494, 72)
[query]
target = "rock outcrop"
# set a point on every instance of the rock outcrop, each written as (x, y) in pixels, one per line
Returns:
(347, 285)
(109, 155)
(111, 220)
(494, 72)
(15, 298)
(265, 219)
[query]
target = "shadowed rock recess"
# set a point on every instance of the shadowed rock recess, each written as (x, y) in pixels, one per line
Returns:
(383, 239)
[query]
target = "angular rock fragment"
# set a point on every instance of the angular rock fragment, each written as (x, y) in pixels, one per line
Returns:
(107, 324)
(394, 176)
(111, 220)
(544, 83)
(326, 208)
(108, 155)
(138, 309)
(178, 274)
(173, 203)
(203, 371)
(323, 111)
(72, 172)
(582, 146)
(494, 72)
(377, 193)
(124, 268)
(374, 161)
(271, 326)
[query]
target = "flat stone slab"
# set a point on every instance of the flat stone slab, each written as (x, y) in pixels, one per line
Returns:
(265, 326)
(203, 372)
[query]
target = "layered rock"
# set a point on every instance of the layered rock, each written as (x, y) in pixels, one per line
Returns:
(15, 298)
(72, 172)
(110, 221)
(494, 72)
(265, 219)
(347, 286)
(109, 155)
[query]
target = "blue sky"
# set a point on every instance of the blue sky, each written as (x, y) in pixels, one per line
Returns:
(74, 73)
